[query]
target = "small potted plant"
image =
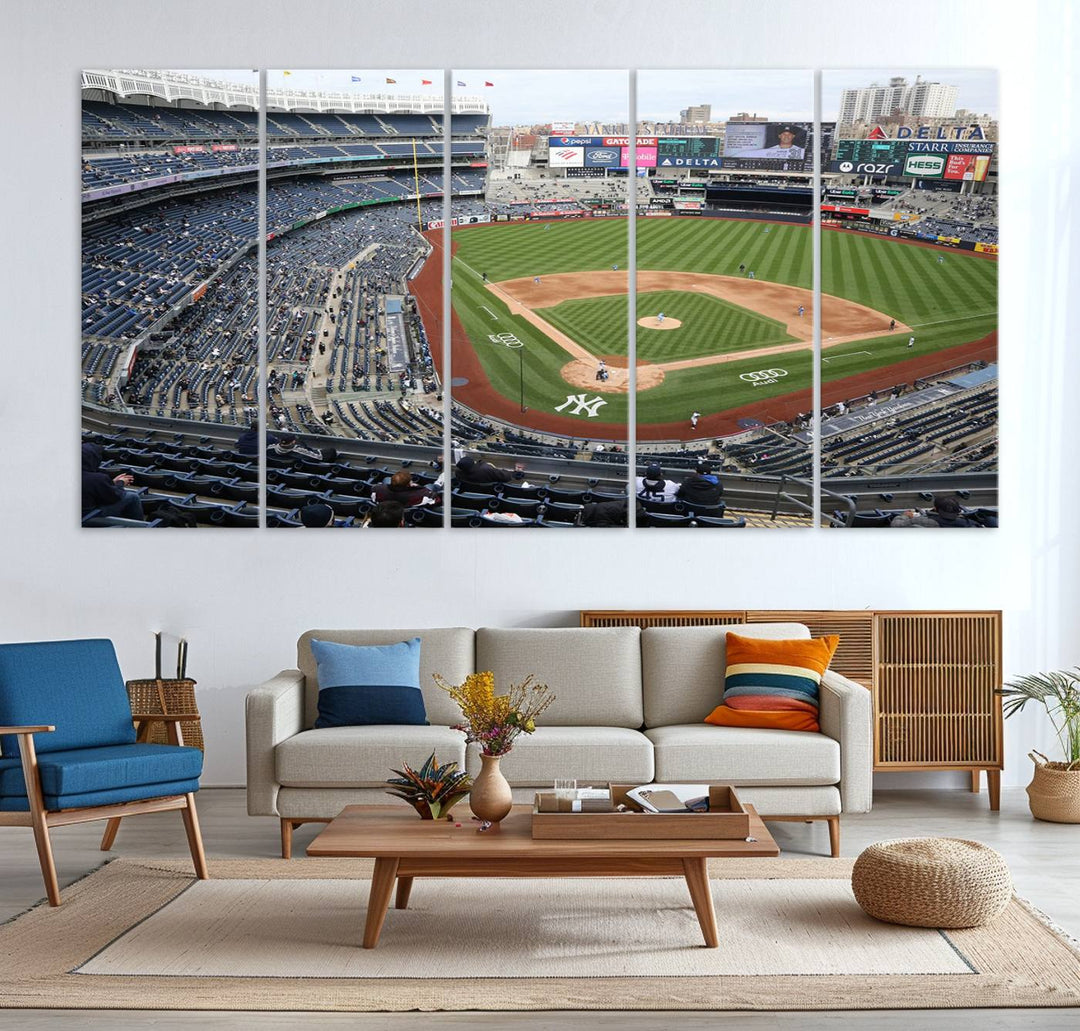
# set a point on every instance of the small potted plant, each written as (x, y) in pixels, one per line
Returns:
(433, 790)
(1054, 792)
(493, 722)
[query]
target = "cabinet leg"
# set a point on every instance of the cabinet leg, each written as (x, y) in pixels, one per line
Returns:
(993, 787)
(975, 783)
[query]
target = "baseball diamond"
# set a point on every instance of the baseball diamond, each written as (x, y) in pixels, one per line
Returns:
(727, 324)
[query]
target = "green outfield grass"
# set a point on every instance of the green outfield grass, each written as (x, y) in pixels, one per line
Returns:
(947, 303)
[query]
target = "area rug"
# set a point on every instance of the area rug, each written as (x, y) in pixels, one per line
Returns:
(268, 934)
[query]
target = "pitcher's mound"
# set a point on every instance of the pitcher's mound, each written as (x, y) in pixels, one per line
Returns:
(581, 373)
(652, 322)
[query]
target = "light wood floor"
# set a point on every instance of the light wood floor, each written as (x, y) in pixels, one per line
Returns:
(1044, 858)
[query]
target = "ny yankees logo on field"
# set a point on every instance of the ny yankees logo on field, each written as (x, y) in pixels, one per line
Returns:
(581, 404)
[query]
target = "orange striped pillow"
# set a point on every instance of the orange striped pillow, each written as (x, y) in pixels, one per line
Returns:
(773, 684)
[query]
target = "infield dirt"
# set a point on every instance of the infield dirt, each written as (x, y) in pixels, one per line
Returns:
(841, 320)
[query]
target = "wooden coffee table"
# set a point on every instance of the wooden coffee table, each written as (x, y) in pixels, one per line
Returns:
(404, 846)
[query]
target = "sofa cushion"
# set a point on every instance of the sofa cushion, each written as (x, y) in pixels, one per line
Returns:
(773, 684)
(594, 674)
(590, 755)
(743, 755)
(683, 667)
(365, 684)
(362, 756)
(448, 651)
(74, 685)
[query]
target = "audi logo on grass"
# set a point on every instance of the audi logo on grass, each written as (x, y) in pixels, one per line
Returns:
(763, 377)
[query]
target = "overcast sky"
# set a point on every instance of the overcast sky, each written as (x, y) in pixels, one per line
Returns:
(563, 95)
(781, 94)
(528, 97)
(977, 88)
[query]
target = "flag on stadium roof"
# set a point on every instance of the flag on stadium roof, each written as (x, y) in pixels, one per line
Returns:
(391, 82)
(460, 83)
(489, 84)
(356, 78)
(425, 82)
(286, 73)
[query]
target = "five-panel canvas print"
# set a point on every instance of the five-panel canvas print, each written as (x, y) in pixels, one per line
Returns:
(683, 298)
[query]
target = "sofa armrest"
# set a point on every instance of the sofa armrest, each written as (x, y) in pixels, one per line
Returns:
(274, 712)
(846, 716)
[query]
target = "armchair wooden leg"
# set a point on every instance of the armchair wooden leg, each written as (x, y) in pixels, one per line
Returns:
(286, 839)
(191, 825)
(28, 755)
(109, 836)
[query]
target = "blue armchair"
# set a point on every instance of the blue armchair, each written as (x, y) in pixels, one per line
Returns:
(68, 749)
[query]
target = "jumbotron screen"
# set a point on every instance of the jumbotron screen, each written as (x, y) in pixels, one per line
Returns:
(769, 146)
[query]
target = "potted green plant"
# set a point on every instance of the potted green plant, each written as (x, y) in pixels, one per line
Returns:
(1054, 792)
(432, 790)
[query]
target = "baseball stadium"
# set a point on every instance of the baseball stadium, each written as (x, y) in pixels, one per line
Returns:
(540, 380)
(724, 329)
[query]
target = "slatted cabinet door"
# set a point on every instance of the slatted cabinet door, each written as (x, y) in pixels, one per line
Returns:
(935, 704)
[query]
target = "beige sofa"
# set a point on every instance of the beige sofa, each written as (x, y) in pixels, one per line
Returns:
(629, 707)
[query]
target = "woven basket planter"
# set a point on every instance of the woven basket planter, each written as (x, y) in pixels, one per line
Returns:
(932, 882)
(1054, 791)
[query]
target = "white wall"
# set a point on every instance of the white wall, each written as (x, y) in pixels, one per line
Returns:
(242, 597)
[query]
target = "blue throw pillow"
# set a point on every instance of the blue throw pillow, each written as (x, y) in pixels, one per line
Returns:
(360, 685)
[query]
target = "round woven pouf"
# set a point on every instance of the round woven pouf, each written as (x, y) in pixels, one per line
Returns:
(932, 882)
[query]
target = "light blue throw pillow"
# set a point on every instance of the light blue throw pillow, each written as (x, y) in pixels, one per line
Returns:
(361, 685)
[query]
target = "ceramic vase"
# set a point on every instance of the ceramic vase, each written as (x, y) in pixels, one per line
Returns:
(490, 798)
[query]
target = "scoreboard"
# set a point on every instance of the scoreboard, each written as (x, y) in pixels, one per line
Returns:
(687, 146)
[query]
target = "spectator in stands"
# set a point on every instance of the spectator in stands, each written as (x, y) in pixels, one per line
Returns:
(948, 513)
(606, 513)
(248, 441)
(701, 487)
(317, 516)
(106, 493)
(404, 489)
(387, 513)
(912, 518)
(288, 447)
(653, 486)
(472, 470)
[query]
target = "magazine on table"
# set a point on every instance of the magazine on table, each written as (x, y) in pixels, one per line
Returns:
(671, 798)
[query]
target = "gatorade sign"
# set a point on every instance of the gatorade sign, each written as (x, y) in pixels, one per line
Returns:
(925, 166)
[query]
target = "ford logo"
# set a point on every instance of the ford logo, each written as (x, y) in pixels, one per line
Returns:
(603, 155)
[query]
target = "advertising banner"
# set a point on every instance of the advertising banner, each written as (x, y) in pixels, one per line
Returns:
(925, 166)
(839, 209)
(562, 128)
(986, 248)
(223, 146)
(624, 141)
(192, 149)
(603, 157)
(566, 157)
(676, 162)
(950, 147)
(576, 141)
(646, 157)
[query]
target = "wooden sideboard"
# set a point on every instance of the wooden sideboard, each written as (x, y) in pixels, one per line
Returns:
(934, 677)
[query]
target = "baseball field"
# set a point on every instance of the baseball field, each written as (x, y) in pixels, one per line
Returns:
(537, 306)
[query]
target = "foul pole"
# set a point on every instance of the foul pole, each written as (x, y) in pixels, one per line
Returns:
(416, 180)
